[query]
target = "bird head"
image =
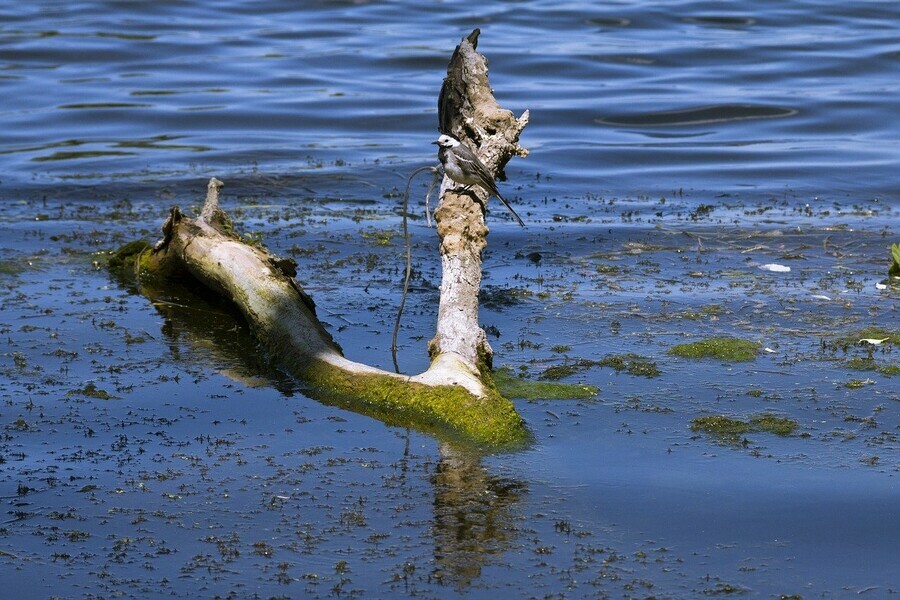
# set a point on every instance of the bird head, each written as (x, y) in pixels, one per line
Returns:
(446, 141)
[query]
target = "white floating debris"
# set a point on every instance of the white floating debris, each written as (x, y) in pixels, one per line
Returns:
(775, 268)
(880, 286)
(769, 350)
(821, 297)
(872, 341)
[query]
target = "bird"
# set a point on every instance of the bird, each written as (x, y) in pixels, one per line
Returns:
(463, 166)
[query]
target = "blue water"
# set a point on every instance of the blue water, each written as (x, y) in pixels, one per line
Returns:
(626, 98)
(775, 119)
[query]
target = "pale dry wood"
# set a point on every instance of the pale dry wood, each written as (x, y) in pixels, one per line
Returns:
(468, 110)
(263, 288)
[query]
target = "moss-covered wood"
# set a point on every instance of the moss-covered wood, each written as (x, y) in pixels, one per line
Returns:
(490, 421)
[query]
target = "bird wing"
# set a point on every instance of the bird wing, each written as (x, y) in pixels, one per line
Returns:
(464, 153)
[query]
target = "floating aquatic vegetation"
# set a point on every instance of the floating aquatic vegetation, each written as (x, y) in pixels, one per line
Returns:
(870, 364)
(894, 271)
(511, 386)
(633, 364)
(557, 372)
(728, 349)
(870, 336)
(90, 390)
(731, 429)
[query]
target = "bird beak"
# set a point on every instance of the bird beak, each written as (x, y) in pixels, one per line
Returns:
(436, 142)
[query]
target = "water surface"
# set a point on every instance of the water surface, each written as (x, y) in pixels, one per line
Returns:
(676, 148)
(626, 98)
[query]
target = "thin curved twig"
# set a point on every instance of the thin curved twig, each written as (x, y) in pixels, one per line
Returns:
(408, 274)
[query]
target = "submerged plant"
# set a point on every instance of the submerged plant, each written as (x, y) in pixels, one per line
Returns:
(728, 349)
(870, 364)
(730, 430)
(557, 372)
(869, 337)
(633, 364)
(894, 271)
(720, 425)
(778, 425)
(10, 267)
(511, 386)
(90, 390)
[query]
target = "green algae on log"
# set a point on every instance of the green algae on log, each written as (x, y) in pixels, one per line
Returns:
(451, 412)
(728, 349)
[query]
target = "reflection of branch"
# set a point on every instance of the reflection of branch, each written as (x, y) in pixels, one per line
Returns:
(474, 516)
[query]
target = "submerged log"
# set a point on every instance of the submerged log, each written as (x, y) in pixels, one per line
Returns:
(456, 394)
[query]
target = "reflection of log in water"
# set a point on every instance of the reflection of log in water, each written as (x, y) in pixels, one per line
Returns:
(475, 517)
(215, 333)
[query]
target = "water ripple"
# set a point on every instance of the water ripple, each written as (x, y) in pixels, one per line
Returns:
(260, 84)
(700, 116)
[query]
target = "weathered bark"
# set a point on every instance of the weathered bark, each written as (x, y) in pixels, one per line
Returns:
(456, 392)
(261, 285)
(468, 111)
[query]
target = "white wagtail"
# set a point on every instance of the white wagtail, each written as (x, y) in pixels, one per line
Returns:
(463, 166)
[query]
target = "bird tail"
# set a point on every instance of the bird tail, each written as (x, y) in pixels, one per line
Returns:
(510, 209)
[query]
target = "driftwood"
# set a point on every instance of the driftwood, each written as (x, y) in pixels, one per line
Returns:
(468, 111)
(456, 393)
